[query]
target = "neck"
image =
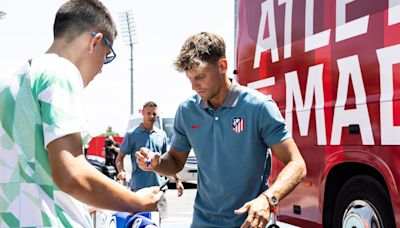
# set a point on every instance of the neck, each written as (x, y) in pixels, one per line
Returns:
(219, 99)
(63, 49)
(72, 51)
(148, 127)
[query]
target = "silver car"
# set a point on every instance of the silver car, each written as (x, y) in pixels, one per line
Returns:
(189, 172)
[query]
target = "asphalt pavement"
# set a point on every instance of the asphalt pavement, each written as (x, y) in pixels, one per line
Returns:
(180, 210)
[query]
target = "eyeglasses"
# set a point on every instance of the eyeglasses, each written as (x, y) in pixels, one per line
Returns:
(110, 57)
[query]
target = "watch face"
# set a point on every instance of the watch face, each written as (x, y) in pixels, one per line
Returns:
(274, 200)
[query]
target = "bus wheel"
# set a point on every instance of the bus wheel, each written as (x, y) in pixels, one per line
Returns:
(363, 202)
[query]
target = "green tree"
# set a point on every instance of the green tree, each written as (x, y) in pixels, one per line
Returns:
(110, 132)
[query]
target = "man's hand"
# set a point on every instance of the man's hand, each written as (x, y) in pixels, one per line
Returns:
(258, 212)
(151, 196)
(121, 176)
(146, 159)
(179, 187)
(111, 147)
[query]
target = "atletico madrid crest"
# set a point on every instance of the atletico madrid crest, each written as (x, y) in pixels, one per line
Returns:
(238, 124)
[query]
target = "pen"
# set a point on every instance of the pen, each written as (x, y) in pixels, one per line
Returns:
(163, 185)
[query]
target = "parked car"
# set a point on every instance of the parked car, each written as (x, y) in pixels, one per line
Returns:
(96, 155)
(135, 120)
(189, 172)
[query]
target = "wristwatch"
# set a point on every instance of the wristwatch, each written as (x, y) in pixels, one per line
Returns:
(272, 200)
(178, 179)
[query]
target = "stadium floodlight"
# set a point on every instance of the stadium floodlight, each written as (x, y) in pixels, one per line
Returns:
(128, 31)
(2, 14)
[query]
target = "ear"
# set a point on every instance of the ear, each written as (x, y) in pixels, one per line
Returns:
(223, 65)
(94, 41)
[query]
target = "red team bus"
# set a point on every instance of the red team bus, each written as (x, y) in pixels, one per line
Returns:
(333, 68)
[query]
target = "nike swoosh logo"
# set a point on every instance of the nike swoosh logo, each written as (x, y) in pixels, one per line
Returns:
(194, 126)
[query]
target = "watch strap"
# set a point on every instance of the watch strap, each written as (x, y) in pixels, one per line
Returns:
(272, 200)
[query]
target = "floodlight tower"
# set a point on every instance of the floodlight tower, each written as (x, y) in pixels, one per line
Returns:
(128, 31)
(2, 14)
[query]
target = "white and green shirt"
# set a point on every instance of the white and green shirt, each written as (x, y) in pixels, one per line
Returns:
(39, 103)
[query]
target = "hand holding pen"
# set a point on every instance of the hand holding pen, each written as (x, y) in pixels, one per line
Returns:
(146, 159)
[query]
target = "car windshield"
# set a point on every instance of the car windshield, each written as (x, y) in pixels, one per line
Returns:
(168, 126)
(135, 122)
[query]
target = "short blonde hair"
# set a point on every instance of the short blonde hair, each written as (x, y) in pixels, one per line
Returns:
(200, 48)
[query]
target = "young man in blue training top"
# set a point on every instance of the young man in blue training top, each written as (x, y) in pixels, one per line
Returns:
(230, 129)
(145, 135)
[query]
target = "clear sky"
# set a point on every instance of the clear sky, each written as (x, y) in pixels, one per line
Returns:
(161, 28)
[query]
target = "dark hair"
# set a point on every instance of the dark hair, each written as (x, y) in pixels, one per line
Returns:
(150, 104)
(200, 48)
(78, 16)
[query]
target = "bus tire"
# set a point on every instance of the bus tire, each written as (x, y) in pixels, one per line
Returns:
(363, 197)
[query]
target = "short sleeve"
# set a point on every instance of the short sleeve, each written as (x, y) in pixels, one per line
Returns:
(272, 125)
(126, 144)
(59, 91)
(180, 141)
